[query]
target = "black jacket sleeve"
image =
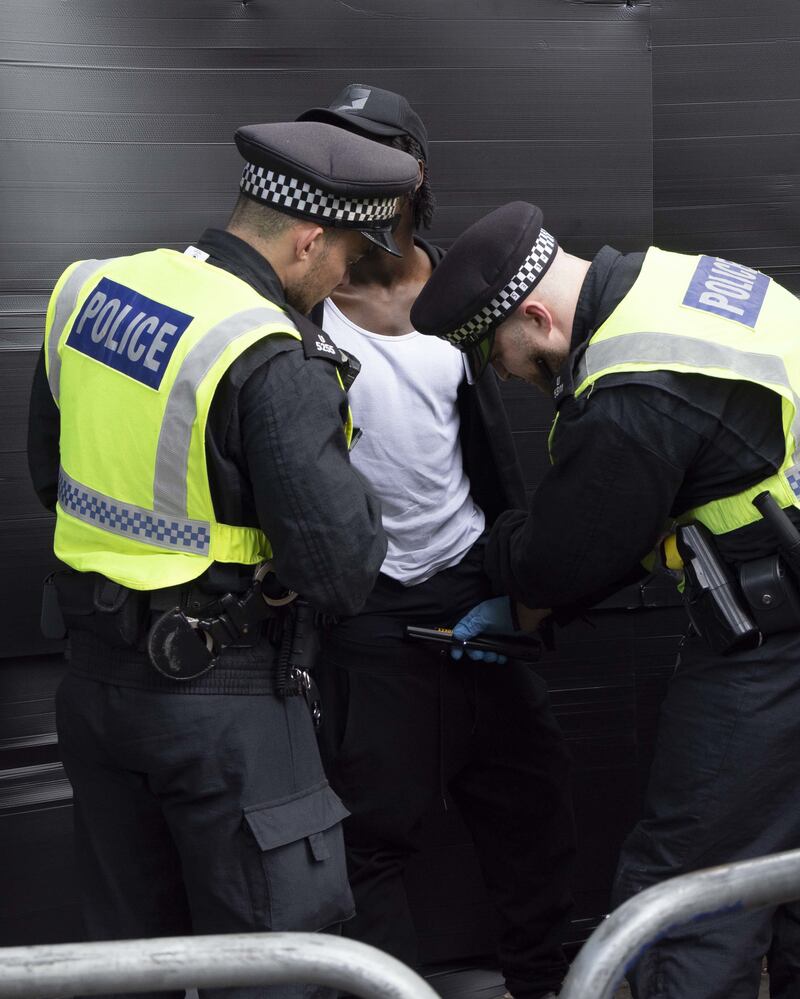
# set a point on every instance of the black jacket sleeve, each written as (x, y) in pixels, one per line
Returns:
(324, 526)
(43, 434)
(600, 508)
(487, 447)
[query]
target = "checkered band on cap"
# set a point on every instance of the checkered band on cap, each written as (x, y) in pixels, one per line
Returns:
(299, 196)
(533, 267)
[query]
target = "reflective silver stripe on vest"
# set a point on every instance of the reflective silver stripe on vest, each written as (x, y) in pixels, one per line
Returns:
(664, 348)
(172, 455)
(65, 303)
(149, 527)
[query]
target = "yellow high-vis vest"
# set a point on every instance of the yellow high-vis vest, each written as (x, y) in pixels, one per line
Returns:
(135, 348)
(706, 315)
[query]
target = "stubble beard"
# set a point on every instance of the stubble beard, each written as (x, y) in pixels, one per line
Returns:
(307, 293)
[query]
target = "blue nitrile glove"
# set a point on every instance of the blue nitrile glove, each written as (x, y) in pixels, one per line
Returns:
(492, 616)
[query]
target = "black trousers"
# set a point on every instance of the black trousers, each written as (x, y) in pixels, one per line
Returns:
(199, 813)
(724, 786)
(404, 723)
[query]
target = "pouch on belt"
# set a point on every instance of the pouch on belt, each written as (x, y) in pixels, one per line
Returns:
(87, 601)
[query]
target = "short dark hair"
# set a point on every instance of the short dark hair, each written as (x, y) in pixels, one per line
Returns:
(422, 200)
(267, 223)
(259, 218)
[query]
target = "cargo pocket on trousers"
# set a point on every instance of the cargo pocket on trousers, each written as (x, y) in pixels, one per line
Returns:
(302, 855)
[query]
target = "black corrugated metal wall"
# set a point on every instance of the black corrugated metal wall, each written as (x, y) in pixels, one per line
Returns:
(115, 124)
(726, 124)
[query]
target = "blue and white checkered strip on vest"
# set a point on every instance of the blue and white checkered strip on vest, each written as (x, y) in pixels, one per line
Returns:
(147, 526)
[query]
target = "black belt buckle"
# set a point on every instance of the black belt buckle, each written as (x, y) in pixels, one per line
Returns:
(178, 648)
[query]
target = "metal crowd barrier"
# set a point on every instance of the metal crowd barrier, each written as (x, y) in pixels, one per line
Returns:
(256, 959)
(621, 939)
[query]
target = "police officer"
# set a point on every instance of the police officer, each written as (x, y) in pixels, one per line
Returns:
(676, 381)
(191, 429)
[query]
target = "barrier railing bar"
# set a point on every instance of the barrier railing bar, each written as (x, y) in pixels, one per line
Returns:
(206, 961)
(621, 939)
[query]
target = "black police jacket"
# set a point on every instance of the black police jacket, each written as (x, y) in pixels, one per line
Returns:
(637, 450)
(277, 404)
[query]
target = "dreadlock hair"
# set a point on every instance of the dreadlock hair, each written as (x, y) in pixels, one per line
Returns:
(422, 200)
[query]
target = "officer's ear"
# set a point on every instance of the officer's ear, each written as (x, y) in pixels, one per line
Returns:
(308, 241)
(536, 315)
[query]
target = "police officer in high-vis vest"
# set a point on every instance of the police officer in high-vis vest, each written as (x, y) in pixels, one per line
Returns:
(676, 381)
(191, 430)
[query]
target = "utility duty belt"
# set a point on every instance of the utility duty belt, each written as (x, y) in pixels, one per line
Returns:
(184, 646)
(733, 610)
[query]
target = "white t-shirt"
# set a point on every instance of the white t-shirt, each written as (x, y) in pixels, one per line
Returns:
(404, 401)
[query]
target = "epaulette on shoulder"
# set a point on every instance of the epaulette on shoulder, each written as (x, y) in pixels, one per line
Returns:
(317, 343)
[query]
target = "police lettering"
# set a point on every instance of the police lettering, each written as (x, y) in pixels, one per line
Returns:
(727, 283)
(125, 330)
(119, 329)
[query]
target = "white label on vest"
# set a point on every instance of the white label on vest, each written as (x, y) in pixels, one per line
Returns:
(193, 251)
(730, 290)
(128, 332)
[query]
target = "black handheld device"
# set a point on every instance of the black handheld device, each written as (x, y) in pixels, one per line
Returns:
(711, 595)
(528, 650)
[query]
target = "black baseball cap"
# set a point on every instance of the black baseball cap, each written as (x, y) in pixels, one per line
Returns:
(372, 112)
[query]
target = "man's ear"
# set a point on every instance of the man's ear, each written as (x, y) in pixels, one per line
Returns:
(306, 237)
(534, 311)
(421, 165)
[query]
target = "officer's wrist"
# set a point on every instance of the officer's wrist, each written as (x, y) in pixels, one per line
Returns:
(527, 618)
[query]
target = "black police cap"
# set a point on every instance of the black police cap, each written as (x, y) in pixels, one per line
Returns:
(372, 112)
(316, 171)
(488, 271)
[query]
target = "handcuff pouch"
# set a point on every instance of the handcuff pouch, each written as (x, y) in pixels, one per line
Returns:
(177, 648)
(772, 594)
